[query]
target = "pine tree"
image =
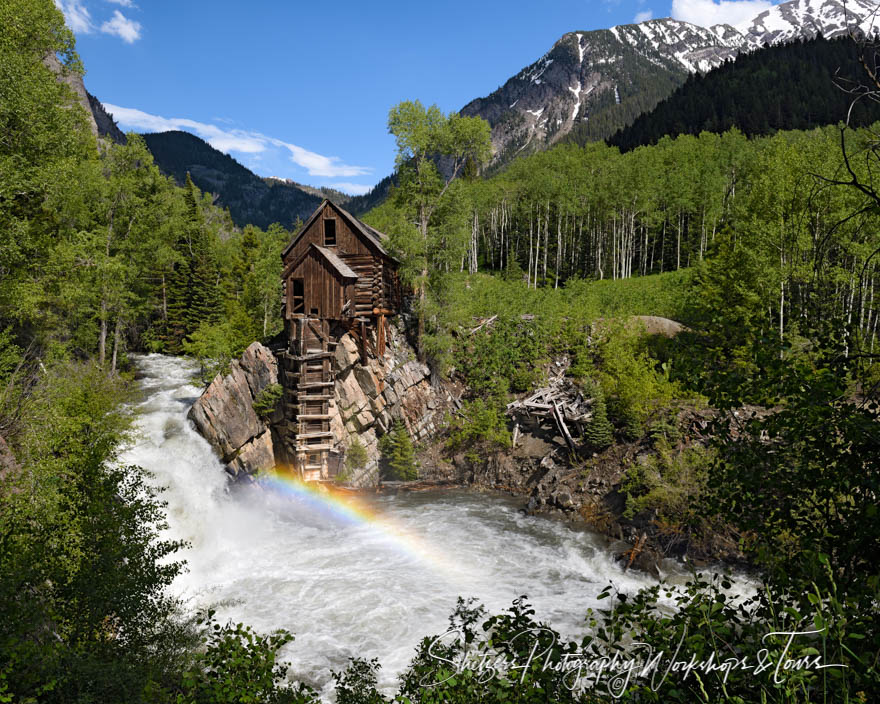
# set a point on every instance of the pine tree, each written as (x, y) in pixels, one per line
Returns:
(599, 433)
(193, 295)
(399, 453)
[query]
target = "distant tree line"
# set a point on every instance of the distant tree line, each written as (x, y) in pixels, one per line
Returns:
(795, 86)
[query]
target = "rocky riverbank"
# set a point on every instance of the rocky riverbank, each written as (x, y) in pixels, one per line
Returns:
(590, 491)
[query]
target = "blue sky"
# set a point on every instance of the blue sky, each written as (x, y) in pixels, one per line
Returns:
(302, 90)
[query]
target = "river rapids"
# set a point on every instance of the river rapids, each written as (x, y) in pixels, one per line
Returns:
(368, 585)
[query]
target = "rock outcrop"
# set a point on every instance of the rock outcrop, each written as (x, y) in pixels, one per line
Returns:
(368, 399)
(101, 122)
(224, 414)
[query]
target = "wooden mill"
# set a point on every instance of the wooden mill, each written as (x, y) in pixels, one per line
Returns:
(338, 278)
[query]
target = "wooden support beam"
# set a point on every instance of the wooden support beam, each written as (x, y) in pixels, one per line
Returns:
(380, 336)
(363, 342)
(313, 448)
(311, 356)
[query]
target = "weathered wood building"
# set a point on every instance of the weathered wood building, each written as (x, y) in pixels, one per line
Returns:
(338, 278)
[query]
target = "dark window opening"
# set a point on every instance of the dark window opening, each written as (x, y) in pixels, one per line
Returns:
(299, 297)
(330, 233)
(314, 311)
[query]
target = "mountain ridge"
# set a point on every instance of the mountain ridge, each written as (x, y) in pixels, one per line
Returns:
(602, 80)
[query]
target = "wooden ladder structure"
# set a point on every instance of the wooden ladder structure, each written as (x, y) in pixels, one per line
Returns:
(308, 390)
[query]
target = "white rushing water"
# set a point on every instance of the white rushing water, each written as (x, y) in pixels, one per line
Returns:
(349, 588)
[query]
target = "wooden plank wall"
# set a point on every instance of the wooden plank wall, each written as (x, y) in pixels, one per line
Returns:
(325, 289)
(347, 241)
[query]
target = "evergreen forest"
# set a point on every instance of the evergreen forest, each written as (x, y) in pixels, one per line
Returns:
(800, 85)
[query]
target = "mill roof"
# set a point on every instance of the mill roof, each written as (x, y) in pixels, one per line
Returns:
(344, 270)
(371, 234)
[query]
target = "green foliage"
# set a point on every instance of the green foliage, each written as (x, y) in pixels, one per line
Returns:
(480, 423)
(216, 345)
(493, 658)
(599, 433)
(238, 666)
(399, 454)
(356, 454)
(267, 400)
(629, 376)
(82, 541)
(799, 480)
(506, 355)
(99, 251)
(357, 683)
(433, 200)
(670, 483)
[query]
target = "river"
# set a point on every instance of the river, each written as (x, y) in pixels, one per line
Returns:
(369, 581)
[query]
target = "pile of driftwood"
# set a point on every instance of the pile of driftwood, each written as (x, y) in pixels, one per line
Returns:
(560, 402)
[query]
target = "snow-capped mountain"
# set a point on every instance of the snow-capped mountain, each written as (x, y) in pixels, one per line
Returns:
(597, 81)
(807, 18)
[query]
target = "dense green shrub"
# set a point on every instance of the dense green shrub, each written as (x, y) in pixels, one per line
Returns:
(630, 378)
(236, 665)
(480, 423)
(670, 483)
(664, 644)
(267, 400)
(356, 454)
(399, 454)
(599, 432)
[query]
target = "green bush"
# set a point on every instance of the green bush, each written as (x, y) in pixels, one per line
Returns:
(237, 665)
(599, 432)
(479, 422)
(356, 454)
(670, 483)
(267, 400)
(629, 376)
(399, 454)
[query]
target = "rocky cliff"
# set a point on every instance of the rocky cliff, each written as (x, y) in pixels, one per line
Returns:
(368, 399)
(100, 121)
(224, 414)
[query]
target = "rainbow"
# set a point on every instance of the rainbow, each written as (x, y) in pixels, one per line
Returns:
(349, 508)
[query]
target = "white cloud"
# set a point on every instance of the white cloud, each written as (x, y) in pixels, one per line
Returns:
(643, 16)
(242, 141)
(122, 27)
(319, 165)
(706, 13)
(124, 3)
(78, 18)
(353, 189)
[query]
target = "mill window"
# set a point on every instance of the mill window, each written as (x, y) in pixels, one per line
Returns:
(299, 297)
(330, 233)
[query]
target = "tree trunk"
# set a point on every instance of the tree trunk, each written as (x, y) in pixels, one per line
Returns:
(102, 336)
(117, 335)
